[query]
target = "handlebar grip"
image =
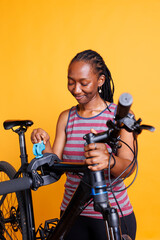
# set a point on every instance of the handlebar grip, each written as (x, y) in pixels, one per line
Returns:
(123, 107)
(15, 185)
(124, 104)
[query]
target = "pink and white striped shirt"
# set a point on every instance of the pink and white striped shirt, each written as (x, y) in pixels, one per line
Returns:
(76, 128)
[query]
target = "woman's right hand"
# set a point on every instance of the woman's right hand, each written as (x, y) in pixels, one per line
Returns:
(39, 135)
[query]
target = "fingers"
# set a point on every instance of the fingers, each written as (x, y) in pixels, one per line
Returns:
(98, 167)
(93, 131)
(35, 136)
(95, 146)
(38, 135)
(97, 156)
(97, 163)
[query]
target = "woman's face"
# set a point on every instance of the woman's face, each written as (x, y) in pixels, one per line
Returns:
(82, 81)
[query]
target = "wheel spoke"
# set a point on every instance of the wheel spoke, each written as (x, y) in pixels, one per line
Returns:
(11, 209)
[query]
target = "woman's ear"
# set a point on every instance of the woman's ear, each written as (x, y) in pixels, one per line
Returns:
(101, 80)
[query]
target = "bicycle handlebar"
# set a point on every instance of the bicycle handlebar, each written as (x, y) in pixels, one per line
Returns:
(123, 107)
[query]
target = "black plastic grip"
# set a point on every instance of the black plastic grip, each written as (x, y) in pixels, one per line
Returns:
(15, 185)
(124, 104)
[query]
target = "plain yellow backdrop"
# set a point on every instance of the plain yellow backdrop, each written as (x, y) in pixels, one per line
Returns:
(38, 38)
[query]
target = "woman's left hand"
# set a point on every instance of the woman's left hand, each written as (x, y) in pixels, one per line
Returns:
(97, 156)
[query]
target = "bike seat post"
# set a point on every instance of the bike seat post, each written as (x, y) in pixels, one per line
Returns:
(27, 193)
(23, 152)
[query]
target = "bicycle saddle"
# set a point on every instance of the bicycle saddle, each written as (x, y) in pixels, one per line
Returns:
(14, 123)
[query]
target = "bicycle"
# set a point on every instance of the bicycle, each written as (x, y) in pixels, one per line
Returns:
(16, 208)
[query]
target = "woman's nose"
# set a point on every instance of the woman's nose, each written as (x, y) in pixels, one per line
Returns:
(77, 89)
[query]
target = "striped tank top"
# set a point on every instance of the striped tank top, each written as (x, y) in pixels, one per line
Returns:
(76, 128)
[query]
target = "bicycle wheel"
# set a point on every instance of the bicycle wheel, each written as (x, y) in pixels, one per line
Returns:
(12, 210)
(126, 237)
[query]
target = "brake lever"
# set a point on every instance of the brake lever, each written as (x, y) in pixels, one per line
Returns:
(147, 127)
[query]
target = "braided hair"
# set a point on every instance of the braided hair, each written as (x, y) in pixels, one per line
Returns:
(100, 67)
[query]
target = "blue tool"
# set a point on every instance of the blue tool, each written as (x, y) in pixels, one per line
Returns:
(38, 148)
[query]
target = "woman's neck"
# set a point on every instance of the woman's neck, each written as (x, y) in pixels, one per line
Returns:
(92, 108)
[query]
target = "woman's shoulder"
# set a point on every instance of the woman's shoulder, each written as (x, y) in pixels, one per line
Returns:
(62, 120)
(65, 114)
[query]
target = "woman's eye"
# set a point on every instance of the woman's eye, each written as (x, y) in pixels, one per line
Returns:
(70, 83)
(84, 84)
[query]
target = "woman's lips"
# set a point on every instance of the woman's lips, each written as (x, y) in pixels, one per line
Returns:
(79, 97)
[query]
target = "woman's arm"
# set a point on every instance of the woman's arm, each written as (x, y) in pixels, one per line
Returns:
(60, 138)
(124, 155)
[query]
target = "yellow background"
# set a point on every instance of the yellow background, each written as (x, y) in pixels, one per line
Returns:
(38, 39)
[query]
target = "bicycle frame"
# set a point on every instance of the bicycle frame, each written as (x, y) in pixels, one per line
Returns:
(78, 201)
(81, 197)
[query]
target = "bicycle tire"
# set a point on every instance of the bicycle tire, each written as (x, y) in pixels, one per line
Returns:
(12, 209)
(126, 237)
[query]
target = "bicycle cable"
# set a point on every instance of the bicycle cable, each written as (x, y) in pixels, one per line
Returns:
(134, 161)
(113, 184)
(113, 192)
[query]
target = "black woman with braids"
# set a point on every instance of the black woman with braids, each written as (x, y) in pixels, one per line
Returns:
(90, 82)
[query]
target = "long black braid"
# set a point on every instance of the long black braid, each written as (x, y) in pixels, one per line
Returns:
(100, 67)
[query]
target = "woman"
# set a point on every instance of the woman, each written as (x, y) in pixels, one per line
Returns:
(89, 81)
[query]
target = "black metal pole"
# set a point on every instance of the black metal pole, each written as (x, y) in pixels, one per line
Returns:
(27, 193)
(100, 197)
